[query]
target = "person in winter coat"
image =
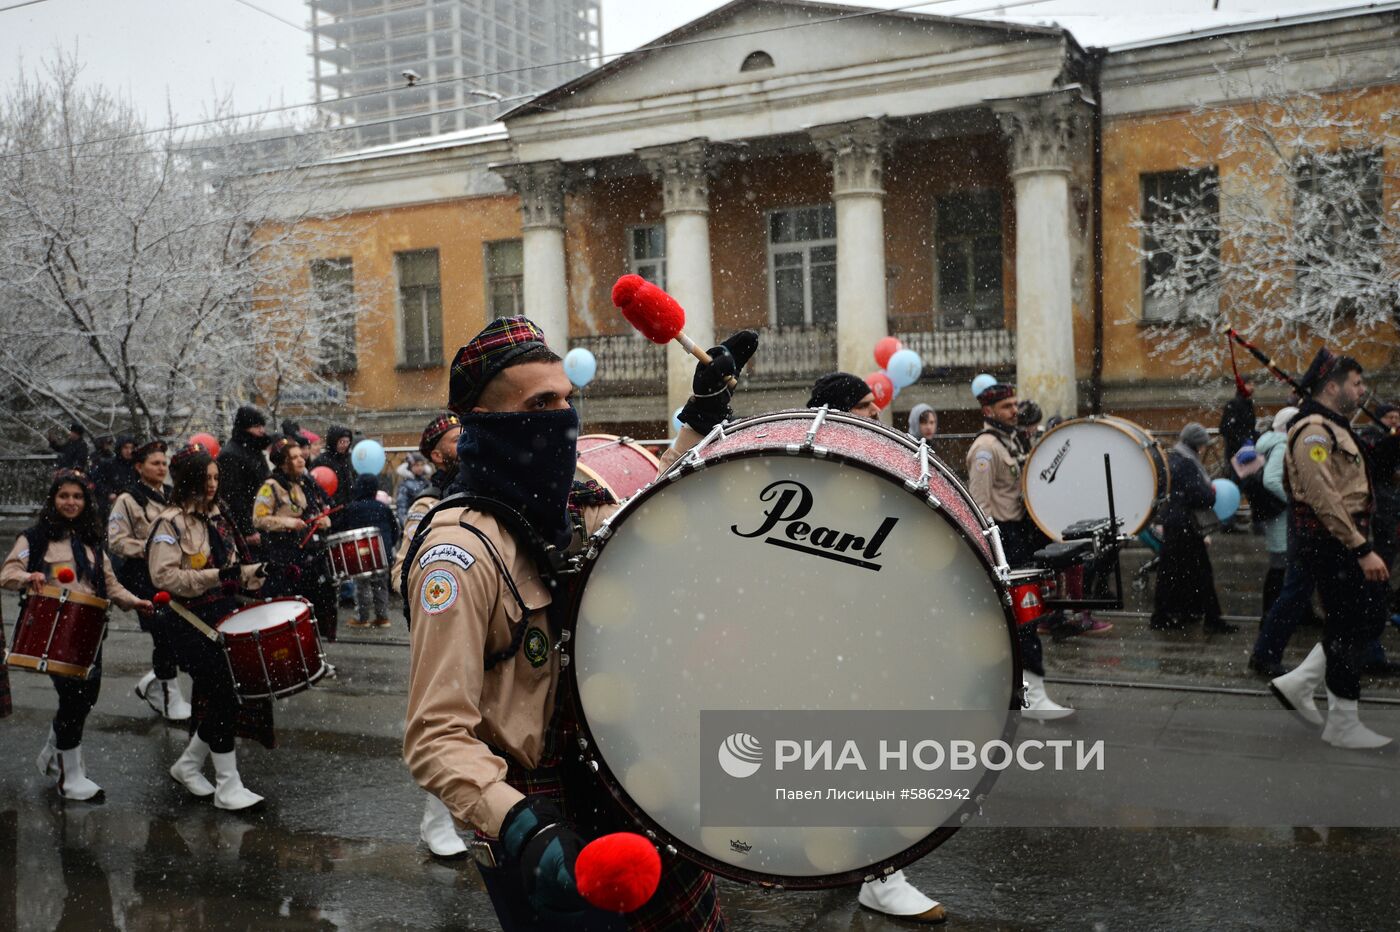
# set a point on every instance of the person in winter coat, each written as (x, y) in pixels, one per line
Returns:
(366, 511)
(243, 469)
(1185, 580)
(337, 458)
(73, 452)
(412, 485)
(1290, 593)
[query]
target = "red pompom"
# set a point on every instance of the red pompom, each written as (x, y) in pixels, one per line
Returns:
(207, 441)
(161, 598)
(618, 872)
(65, 575)
(654, 313)
(882, 388)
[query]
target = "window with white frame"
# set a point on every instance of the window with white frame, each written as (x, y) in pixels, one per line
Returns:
(505, 277)
(802, 266)
(420, 308)
(333, 283)
(967, 229)
(646, 253)
(1182, 204)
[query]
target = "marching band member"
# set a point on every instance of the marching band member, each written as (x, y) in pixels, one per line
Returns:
(192, 555)
(128, 526)
(280, 512)
(892, 895)
(485, 731)
(68, 536)
(994, 463)
(1329, 529)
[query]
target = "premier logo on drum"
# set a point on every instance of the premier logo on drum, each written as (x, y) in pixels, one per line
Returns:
(1047, 475)
(791, 502)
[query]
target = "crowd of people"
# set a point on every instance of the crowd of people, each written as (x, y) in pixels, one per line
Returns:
(489, 502)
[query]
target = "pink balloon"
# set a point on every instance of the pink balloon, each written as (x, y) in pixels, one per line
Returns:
(885, 347)
(208, 442)
(326, 478)
(882, 387)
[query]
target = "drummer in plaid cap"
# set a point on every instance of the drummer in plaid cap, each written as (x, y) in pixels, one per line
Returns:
(485, 730)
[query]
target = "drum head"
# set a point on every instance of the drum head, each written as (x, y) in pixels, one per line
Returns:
(1064, 475)
(262, 616)
(680, 613)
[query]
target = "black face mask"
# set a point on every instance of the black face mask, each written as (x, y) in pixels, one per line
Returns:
(257, 443)
(525, 461)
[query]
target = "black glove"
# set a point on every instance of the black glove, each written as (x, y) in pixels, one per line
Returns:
(287, 573)
(544, 847)
(710, 403)
(231, 574)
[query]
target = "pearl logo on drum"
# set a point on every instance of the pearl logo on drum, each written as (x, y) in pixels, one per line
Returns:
(791, 502)
(740, 755)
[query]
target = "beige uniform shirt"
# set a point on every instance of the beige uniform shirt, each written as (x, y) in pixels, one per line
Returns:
(994, 478)
(14, 574)
(421, 506)
(462, 610)
(276, 508)
(129, 525)
(182, 562)
(1327, 472)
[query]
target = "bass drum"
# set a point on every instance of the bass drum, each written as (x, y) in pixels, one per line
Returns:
(1063, 478)
(619, 464)
(688, 605)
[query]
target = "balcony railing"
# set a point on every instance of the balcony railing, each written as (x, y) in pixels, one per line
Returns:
(962, 349)
(793, 354)
(626, 362)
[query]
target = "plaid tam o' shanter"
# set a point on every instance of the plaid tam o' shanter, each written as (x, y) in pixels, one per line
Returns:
(436, 430)
(488, 353)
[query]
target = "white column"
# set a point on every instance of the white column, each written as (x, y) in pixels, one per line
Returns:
(856, 152)
(541, 189)
(683, 171)
(1043, 131)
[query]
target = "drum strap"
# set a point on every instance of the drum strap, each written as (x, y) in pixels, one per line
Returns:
(194, 620)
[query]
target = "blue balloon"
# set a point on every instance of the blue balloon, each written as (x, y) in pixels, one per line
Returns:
(982, 383)
(580, 366)
(1227, 499)
(676, 424)
(367, 458)
(904, 368)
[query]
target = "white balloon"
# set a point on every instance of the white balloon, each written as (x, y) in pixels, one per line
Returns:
(904, 368)
(982, 383)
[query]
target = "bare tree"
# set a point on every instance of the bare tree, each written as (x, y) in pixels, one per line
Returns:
(1281, 229)
(153, 279)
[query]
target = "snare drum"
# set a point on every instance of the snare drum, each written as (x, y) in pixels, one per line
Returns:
(619, 464)
(1063, 478)
(356, 554)
(59, 632)
(272, 648)
(831, 564)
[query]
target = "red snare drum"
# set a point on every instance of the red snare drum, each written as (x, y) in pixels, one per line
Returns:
(59, 633)
(272, 647)
(358, 553)
(619, 464)
(1029, 590)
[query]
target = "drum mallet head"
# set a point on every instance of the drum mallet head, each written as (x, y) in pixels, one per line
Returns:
(618, 872)
(161, 598)
(656, 315)
(66, 576)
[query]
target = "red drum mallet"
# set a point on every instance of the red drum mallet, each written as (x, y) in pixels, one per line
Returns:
(656, 315)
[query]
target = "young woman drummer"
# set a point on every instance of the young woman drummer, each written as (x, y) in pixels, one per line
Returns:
(67, 539)
(192, 556)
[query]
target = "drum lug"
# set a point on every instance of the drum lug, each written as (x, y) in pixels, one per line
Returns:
(582, 743)
(671, 850)
(809, 442)
(593, 765)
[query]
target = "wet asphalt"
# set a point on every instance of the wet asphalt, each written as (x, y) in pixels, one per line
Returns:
(336, 846)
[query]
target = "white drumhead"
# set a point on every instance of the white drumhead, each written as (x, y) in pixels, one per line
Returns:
(681, 614)
(262, 616)
(1064, 476)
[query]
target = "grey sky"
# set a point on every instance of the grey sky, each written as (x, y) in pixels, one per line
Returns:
(190, 51)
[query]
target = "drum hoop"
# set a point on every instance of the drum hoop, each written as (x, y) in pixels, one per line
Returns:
(82, 598)
(354, 534)
(894, 862)
(1122, 426)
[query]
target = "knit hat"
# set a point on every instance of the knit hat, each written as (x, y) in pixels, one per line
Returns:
(839, 391)
(998, 392)
(248, 416)
(435, 431)
(490, 351)
(1194, 436)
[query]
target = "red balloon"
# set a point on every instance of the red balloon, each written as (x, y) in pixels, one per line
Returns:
(618, 872)
(883, 388)
(161, 598)
(885, 347)
(654, 313)
(66, 575)
(206, 441)
(326, 478)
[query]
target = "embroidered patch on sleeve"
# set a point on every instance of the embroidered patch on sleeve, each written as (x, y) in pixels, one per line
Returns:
(447, 553)
(982, 461)
(439, 592)
(1318, 454)
(163, 539)
(116, 517)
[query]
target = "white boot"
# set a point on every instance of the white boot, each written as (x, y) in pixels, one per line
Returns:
(176, 709)
(896, 896)
(143, 688)
(229, 792)
(1344, 728)
(72, 776)
(186, 770)
(1039, 706)
(438, 832)
(1295, 689)
(48, 757)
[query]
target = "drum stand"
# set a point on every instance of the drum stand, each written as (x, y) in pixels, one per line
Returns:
(1088, 543)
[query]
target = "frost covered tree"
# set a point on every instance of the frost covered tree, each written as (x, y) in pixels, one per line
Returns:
(152, 279)
(1281, 228)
